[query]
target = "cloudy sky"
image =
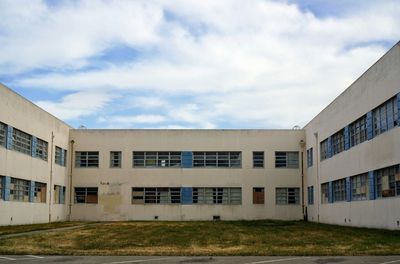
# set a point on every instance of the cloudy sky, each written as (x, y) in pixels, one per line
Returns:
(190, 63)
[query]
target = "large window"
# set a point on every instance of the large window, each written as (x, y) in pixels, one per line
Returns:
(359, 187)
(41, 149)
(287, 196)
(86, 159)
(358, 131)
(156, 195)
(60, 156)
(159, 159)
(88, 195)
(309, 157)
(22, 141)
(287, 160)
(324, 149)
(338, 142)
(59, 194)
(388, 181)
(39, 195)
(19, 190)
(220, 195)
(3, 134)
(258, 195)
(217, 159)
(325, 193)
(258, 159)
(385, 116)
(339, 190)
(115, 159)
(310, 194)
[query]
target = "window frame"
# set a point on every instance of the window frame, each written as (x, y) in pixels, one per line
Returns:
(286, 196)
(359, 187)
(258, 159)
(115, 162)
(90, 158)
(84, 193)
(283, 160)
(217, 159)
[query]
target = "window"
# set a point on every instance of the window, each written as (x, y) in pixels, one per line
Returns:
(22, 141)
(258, 195)
(325, 193)
(217, 195)
(86, 159)
(338, 142)
(156, 195)
(310, 192)
(41, 149)
(3, 134)
(60, 156)
(388, 182)
(115, 159)
(86, 195)
(59, 194)
(287, 196)
(324, 149)
(339, 190)
(160, 159)
(19, 190)
(1, 187)
(359, 187)
(309, 157)
(39, 195)
(258, 159)
(287, 160)
(217, 159)
(358, 131)
(385, 116)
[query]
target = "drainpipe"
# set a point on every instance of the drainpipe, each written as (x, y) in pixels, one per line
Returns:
(302, 145)
(317, 158)
(51, 173)
(70, 179)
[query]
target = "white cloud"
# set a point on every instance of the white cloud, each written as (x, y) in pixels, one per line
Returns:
(266, 63)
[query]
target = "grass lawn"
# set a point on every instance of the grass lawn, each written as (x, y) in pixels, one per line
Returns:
(6, 230)
(207, 238)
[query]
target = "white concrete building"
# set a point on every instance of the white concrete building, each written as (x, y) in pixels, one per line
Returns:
(341, 168)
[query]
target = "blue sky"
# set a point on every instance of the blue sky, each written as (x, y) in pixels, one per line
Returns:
(190, 63)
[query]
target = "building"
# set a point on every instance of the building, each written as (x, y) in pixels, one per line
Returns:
(341, 168)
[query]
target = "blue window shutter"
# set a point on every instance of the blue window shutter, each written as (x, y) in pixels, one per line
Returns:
(7, 184)
(398, 109)
(34, 145)
(187, 159)
(346, 138)
(348, 189)
(330, 185)
(10, 139)
(31, 191)
(371, 179)
(330, 150)
(370, 133)
(186, 195)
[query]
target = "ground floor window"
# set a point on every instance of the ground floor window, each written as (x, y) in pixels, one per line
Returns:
(258, 195)
(388, 181)
(325, 193)
(287, 196)
(218, 195)
(19, 190)
(88, 195)
(339, 190)
(59, 194)
(310, 194)
(40, 192)
(359, 187)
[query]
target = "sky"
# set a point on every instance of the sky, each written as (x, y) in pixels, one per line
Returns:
(190, 63)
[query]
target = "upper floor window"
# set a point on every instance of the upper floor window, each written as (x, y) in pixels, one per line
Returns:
(156, 195)
(218, 195)
(310, 194)
(60, 156)
(41, 149)
(324, 149)
(22, 141)
(325, 193)
(86, 159)
(358, 131)
(3, 134)
(338, 142)
(217, 159)
(287, 196)
(287, 160)
(160, 159)
(388, 181)
(359, 187)
(310, 157)
(339, 190)
(19, 190)
(385, 116)
(115, 159)
(87, 195)
(258, 159)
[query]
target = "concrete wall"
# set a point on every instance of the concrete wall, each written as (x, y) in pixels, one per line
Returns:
(380, 83)
(115, 185)
(17, 112)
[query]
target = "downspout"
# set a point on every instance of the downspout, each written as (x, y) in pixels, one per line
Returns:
(70, 179)
(51, 173)
(317, 158)
(302, 145)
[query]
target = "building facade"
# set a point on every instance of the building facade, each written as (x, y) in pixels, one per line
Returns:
(341, 168)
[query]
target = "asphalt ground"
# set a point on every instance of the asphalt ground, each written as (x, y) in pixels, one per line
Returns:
(27, 259)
